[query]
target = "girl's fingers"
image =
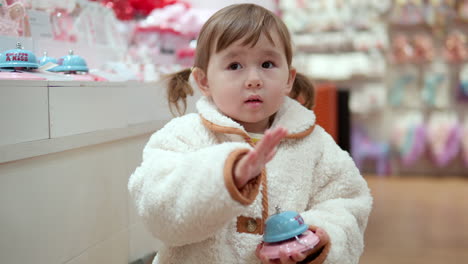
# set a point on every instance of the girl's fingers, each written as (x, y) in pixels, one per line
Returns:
(270, 141)
(298, 256)
(264, 142)
(250, 165)
(278, 135)
(285, 259)
(265, 260)
(257, 251)
(271, 155)
(252, 157)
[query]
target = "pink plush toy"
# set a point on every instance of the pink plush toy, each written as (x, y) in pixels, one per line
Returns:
(423, 48)
(363, 148)
(455, 49)
(444, 135)
(402, 50)
(11, 17)
(409, 137)
(464, 140)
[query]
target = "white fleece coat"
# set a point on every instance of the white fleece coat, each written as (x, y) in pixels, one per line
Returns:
(180, 188)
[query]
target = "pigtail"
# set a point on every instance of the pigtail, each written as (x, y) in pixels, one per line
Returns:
(303, 91)
(178, 88)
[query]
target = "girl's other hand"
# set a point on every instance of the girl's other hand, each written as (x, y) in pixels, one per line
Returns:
(300, 256)
(251, 164)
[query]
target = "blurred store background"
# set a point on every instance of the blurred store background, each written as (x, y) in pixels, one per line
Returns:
(392, 89)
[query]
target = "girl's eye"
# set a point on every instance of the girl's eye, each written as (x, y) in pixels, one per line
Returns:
(267, 64)
(234, 66)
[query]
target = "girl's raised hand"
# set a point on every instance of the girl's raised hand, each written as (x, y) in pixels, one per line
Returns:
(251, 164)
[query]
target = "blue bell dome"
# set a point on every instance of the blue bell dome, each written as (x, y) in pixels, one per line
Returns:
(283, 226)
(71, 63)
(18, 58)
(46, 59)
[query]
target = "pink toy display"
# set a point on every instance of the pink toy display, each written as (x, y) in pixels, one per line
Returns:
(414, 145)
(409, 137)
(85, 77)
(292, 246)
(407, 13)
(464, 140)
(462, 91)
(455, 49)
(452, 147)
(444, 135)
(185, 57)
(82, 77)
(62, 25)
(11, 18)
(363, 148)
(19, 75)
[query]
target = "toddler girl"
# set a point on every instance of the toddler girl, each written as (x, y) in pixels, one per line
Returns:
(209, 180)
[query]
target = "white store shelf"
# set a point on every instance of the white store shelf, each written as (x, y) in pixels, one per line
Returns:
(146, 103)
(42, 117)
(24, 114)
(35, 148)
(77, 110)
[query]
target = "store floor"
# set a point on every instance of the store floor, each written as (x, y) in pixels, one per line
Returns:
(417, 220)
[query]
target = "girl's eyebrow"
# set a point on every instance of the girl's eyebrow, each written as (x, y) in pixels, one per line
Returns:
(272, 53)
(236, 53)
(232, 54)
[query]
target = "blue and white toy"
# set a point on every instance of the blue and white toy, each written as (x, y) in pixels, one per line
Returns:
(286, 232)
(71, 63)
(18, 58)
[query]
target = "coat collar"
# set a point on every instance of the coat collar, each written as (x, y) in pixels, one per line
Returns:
(298, 120)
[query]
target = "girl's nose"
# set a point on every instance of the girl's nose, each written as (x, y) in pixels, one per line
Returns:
(253, 81)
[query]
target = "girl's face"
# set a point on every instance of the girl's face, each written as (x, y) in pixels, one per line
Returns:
(248, 83)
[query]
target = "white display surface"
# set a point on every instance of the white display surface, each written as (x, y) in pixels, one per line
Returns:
(147, 103)
(24, 114)
(76, 110)
(43, 117)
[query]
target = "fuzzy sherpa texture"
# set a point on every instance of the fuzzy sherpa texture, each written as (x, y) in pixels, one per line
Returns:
(180, 192)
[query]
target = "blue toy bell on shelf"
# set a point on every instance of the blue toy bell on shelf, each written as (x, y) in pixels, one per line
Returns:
(46, 59)
(71, 63)
(283, 226)
(18, 58)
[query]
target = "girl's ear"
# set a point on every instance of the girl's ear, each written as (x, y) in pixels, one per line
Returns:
(201, 80)
(291, 78)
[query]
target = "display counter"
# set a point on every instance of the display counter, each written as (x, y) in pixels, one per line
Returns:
(42, 117)
(67, 150)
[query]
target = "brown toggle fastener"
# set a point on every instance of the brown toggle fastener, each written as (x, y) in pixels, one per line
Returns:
(249, 225)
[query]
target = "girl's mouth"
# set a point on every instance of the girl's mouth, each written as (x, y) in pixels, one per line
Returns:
(254, 101)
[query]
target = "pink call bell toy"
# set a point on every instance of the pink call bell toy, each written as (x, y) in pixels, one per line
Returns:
(287, 232)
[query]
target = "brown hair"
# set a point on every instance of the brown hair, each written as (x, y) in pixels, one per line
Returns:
(234, 22)
(303, 91)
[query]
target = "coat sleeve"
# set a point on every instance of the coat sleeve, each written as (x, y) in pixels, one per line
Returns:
(342, 203)
(180, 188)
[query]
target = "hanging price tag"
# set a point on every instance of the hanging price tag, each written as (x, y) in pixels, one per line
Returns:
(40, 24)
